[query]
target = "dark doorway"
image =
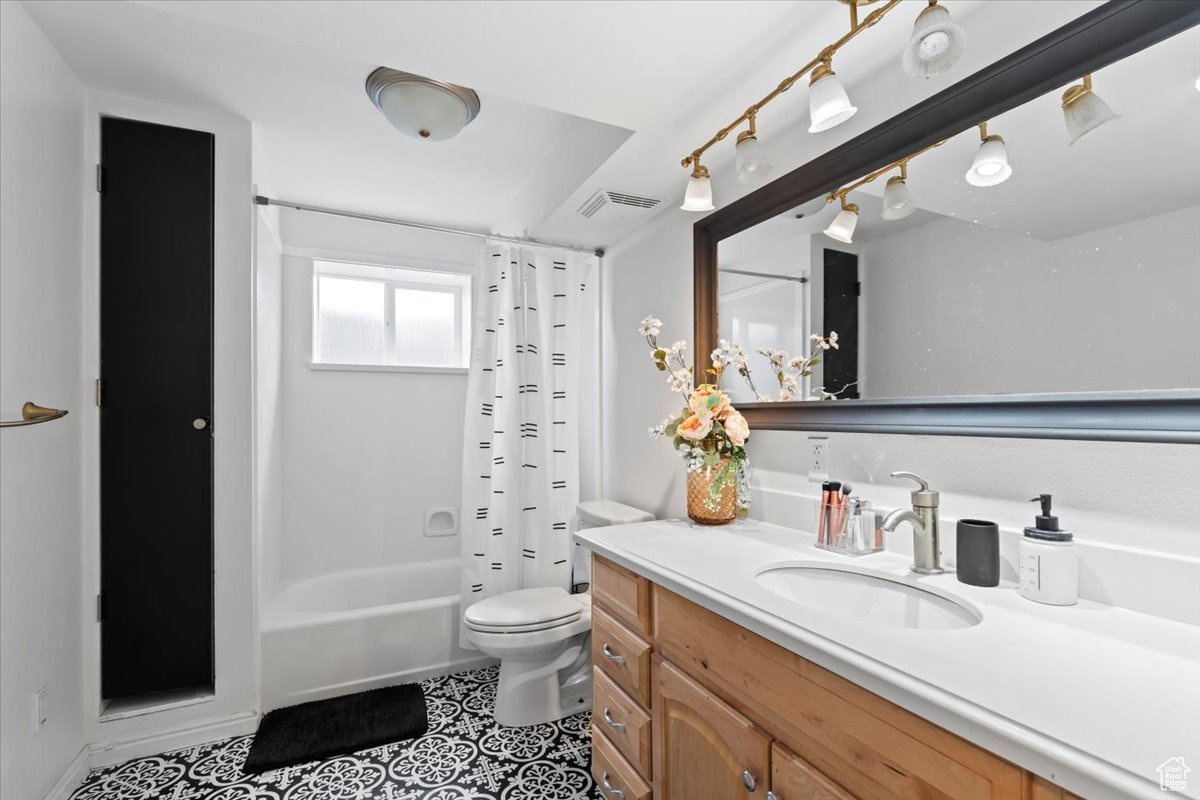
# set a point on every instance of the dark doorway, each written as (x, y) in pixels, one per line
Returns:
(155, 397)
(841, 314)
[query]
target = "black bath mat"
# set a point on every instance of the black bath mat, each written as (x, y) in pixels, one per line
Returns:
(325, 728)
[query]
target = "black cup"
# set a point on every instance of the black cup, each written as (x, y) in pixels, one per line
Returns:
(978, 556)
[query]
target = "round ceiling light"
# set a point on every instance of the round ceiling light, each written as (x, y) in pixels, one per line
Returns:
(422, 107)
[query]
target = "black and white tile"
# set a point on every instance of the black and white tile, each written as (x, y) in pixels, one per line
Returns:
(464, 756)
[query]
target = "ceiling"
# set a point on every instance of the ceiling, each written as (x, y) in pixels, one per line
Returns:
(576, 96)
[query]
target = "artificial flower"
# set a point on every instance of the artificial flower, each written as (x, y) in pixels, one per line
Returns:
(650, 326)
(737, 428)
(695, 427)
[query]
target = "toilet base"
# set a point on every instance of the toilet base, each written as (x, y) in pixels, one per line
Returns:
(533, 693)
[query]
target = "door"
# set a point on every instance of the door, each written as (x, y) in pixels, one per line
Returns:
(841, 315)
(156, 447)
(703, 748)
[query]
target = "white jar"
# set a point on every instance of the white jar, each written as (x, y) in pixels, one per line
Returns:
(1049, 567)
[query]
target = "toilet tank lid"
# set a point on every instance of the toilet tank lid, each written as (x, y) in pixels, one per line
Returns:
(609, 512)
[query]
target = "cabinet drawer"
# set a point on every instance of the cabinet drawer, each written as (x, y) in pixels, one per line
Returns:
(623, 593)
(622, 654)
(612, 773)
(865, 744)
(793, 778)
(622, 720)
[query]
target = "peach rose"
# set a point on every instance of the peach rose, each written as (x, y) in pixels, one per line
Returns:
(737, 428)
(700, 402)
(695, 427)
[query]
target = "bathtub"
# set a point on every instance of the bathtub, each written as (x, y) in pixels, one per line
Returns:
(349, 631)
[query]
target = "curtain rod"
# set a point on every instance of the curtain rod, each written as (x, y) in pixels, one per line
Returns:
(260, 200)
(797, 279)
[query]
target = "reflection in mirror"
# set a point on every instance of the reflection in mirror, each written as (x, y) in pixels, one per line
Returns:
(1055, 250)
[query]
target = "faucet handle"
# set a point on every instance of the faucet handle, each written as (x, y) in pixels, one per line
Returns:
(923, 496)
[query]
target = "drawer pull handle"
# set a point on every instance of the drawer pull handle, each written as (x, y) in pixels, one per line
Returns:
(612, 723)
(613, 657)
(748, 781)
(772, 796)
(615, 793)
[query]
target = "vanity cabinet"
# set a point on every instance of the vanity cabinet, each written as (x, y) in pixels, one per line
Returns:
(691, 706)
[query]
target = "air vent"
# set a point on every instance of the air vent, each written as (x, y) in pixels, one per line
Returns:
(617, 205)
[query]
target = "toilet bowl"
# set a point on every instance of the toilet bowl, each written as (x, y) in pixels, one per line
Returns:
(542, 638)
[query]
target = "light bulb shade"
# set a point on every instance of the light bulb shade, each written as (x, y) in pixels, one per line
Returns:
(421, 107)
(814, 206)
(828, 104)
(1084, 114)
(897, 200)
(752, 162)
(842, 227)
(698, 196)
(990, 166)
(935, 46)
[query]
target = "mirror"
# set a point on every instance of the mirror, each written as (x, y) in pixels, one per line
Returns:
(1078, 272)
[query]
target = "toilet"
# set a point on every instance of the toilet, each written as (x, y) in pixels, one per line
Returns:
(543, 636)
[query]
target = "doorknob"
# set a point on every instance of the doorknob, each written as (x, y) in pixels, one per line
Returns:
(199, 423)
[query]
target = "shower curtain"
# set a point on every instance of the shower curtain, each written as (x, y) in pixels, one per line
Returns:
(521, 437)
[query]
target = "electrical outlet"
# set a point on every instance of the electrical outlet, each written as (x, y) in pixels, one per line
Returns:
(40, 710)
(818, 467)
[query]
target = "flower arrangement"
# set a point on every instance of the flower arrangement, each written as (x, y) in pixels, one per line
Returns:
(709, 433)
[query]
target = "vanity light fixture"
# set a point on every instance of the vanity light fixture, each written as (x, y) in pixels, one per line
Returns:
(752, 162)
(1083, 110)
(990, 166)
(828, 103)
(936, 43)
(842, 227)
(698, 196)
(897, 199)
(422, 107)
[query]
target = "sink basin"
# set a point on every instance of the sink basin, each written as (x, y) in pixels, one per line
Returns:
(865, 596)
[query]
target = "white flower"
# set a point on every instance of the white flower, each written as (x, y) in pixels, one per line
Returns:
(798, 364)
(678, 348)
(678, 383)
(650, 326)
(833, 340)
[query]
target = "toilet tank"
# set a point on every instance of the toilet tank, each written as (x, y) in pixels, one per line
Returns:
(599, 514)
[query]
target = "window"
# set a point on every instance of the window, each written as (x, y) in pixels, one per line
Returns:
(373, 316)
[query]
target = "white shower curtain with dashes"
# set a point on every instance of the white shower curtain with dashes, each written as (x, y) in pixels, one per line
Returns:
(521, 438)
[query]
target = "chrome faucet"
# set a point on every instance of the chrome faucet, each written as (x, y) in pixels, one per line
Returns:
(927, 550)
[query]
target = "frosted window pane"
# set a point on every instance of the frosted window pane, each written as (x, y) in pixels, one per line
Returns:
(425, 329)
(350, 322)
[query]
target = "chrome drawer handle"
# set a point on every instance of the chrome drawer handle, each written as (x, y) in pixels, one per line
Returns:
(612, 723)
(772, 796)
(616, 794)
(613, 657)
(748, 781)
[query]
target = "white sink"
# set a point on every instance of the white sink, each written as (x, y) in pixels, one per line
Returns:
(866, 596)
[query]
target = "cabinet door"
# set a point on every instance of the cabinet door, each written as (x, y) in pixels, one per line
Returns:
(793, 778)
(702, 747)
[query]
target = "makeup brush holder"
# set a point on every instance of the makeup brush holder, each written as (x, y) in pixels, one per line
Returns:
(851, 528)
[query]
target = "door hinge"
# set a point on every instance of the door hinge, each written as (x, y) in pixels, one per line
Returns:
(100, 179)
(858, 289)
(99, 608)
(99, 392)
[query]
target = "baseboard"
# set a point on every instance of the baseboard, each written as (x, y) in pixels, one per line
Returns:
(187, 735)
(377, 682)
(72, 776)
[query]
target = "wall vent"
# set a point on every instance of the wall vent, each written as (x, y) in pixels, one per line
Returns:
(608, 205)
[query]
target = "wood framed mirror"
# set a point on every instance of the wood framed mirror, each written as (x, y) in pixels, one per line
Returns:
(1043, 366)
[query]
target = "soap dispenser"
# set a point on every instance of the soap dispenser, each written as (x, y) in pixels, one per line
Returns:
(1049, 563)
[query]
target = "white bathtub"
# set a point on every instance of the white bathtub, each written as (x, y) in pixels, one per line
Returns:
(349, 631)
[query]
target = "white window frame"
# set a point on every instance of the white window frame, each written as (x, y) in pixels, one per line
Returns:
(393, 277)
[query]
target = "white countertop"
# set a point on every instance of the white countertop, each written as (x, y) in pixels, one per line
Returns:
(1091, 696)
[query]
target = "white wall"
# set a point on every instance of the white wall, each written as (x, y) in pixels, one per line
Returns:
(365, 453)
(233, 707)
(41, 606)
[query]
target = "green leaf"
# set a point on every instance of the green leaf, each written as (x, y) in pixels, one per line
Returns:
(662, 366)
(660, 354)
(672, 428)
(814, 362)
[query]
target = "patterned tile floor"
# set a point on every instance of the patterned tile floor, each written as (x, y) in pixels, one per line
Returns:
(464, 756)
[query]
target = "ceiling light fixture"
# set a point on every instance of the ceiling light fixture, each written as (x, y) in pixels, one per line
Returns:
(897, 199)
(828, 103)
(1083, 110)
(698, 196)
(752, 162)
(422, 107)
(842, 227)
(990, 166)
(936, 43)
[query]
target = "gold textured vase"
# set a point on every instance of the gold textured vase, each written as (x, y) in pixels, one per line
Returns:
(702, 506)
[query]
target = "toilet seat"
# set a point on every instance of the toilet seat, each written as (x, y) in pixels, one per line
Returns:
(526, 611)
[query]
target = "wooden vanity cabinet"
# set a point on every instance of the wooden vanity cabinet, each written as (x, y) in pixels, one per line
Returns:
(729, 715)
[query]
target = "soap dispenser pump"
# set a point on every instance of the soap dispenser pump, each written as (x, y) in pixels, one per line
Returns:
(1049, 563)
